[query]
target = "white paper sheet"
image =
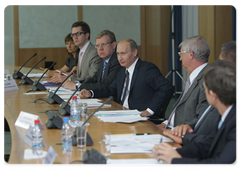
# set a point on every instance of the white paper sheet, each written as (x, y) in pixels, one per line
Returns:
(123, 119)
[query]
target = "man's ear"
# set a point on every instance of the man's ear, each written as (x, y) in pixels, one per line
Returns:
(213, 94)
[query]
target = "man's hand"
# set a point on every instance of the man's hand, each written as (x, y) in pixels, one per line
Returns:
(69, 85)
(58, 79)
(182, 130)
(165, 152)
(176, 139)
(84, 94)
(145, 113)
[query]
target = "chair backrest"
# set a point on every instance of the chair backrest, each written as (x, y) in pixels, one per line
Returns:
(165, 104)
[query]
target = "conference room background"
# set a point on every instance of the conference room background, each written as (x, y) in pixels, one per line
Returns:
(158, 30)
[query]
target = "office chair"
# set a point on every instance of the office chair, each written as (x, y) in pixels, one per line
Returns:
(161, 116)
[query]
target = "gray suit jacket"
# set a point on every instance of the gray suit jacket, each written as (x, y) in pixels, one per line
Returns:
(89, 65)
(206, 127)
(192, 105)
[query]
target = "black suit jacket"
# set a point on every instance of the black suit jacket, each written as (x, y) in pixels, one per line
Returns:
(97, 82)
(207, 126)
(148, 89)
(222, 149)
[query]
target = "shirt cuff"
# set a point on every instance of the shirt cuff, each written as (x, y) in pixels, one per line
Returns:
(92, 93)
(150, 111)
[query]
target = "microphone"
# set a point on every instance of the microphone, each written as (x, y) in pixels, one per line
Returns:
(108, 100)
(18, 74)
(65, 107)
(53, 98)
(37, 86)
(25, 78)
(89, 139)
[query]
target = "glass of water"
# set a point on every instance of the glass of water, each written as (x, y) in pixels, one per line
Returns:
(106, 144)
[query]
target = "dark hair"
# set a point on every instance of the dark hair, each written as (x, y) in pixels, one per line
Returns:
(68, 38)
(85, 27)
(132, 43)
(199, 46)
(110, 34)
(228, 51)
(220, 77)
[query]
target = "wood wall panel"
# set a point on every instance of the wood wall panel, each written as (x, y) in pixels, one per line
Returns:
(157, 23)
(58, 55)
(215, 25)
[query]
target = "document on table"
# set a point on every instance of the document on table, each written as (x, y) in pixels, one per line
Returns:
(90, 102)
(37, 75)
(132, 143)
(134, 161)
(123, 119)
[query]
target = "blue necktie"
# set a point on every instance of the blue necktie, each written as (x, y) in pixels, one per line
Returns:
(104, 68)
(220, 124)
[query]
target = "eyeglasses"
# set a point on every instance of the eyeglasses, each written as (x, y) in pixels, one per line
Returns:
(77, 34)
(102, 45)
(182, 52)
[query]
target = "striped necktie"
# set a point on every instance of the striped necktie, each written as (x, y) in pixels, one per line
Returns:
(104, 68)
(126, 86)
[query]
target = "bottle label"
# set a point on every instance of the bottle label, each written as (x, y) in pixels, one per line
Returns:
(37, 147)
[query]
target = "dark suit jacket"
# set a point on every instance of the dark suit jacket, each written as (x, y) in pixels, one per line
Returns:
(148, 89)
(222, 149)
(89, 65)
(97, 82)
(192, 105)
(207, 126)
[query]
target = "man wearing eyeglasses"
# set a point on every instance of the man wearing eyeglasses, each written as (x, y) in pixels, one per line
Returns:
(88, 59)
(109, 67)
(194, 54)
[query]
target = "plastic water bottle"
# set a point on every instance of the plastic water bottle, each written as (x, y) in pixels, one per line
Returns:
(66, 136)
(37, 143)
(75, 112)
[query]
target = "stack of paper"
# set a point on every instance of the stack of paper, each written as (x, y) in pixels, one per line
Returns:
(36, 75)
(133, 143)
(123, 116)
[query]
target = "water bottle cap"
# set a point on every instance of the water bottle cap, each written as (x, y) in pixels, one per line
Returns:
(74, 97)
(37, 121)
(65, 120)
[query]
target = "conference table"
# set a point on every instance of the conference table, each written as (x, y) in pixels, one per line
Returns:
(16, 101)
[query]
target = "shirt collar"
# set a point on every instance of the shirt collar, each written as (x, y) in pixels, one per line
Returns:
(131, 68)
(84, 47)
(195, 72)
(226, 113)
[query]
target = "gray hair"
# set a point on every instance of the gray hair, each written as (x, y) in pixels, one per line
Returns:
(199, 46)
(110, 34)
(228, 51)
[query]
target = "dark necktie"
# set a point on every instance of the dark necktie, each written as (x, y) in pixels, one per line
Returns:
(104, 68)
(184, 92)
(126, 86)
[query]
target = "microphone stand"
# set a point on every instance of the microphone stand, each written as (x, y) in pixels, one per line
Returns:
(25, 78)
(18, 74)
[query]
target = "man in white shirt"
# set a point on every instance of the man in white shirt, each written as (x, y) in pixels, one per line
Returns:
(194, 54)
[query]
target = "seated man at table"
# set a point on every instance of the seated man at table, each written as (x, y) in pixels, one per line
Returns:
(139, 85)
(220, 89)
(106, 47)
(185, 134)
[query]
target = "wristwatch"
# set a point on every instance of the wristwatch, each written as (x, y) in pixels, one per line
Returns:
(78, 84)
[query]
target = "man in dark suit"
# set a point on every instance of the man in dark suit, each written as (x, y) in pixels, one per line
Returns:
(220, 89)
(106, 47)
(143, 87)
(194, 54)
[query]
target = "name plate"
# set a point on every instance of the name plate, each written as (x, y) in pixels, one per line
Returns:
(50, 157)
(9, 83)
(25, 120)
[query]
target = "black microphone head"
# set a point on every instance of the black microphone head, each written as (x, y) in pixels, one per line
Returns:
(74, 71)
(110, 98)
(34, 54)
(44, 58)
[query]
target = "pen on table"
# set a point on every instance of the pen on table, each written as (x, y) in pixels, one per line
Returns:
(143, 133)
(161, 139)
(62, 73)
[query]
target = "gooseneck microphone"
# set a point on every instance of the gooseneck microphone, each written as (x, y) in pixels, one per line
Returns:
(65, 107)
(25, 78)
(108, 100)
(89, 139)
(37, 86)
(17, 74)
(53, 98)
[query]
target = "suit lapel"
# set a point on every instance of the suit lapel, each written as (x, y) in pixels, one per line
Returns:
(202, 120)
(120, 82)
(135, 74)
(219, 132)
